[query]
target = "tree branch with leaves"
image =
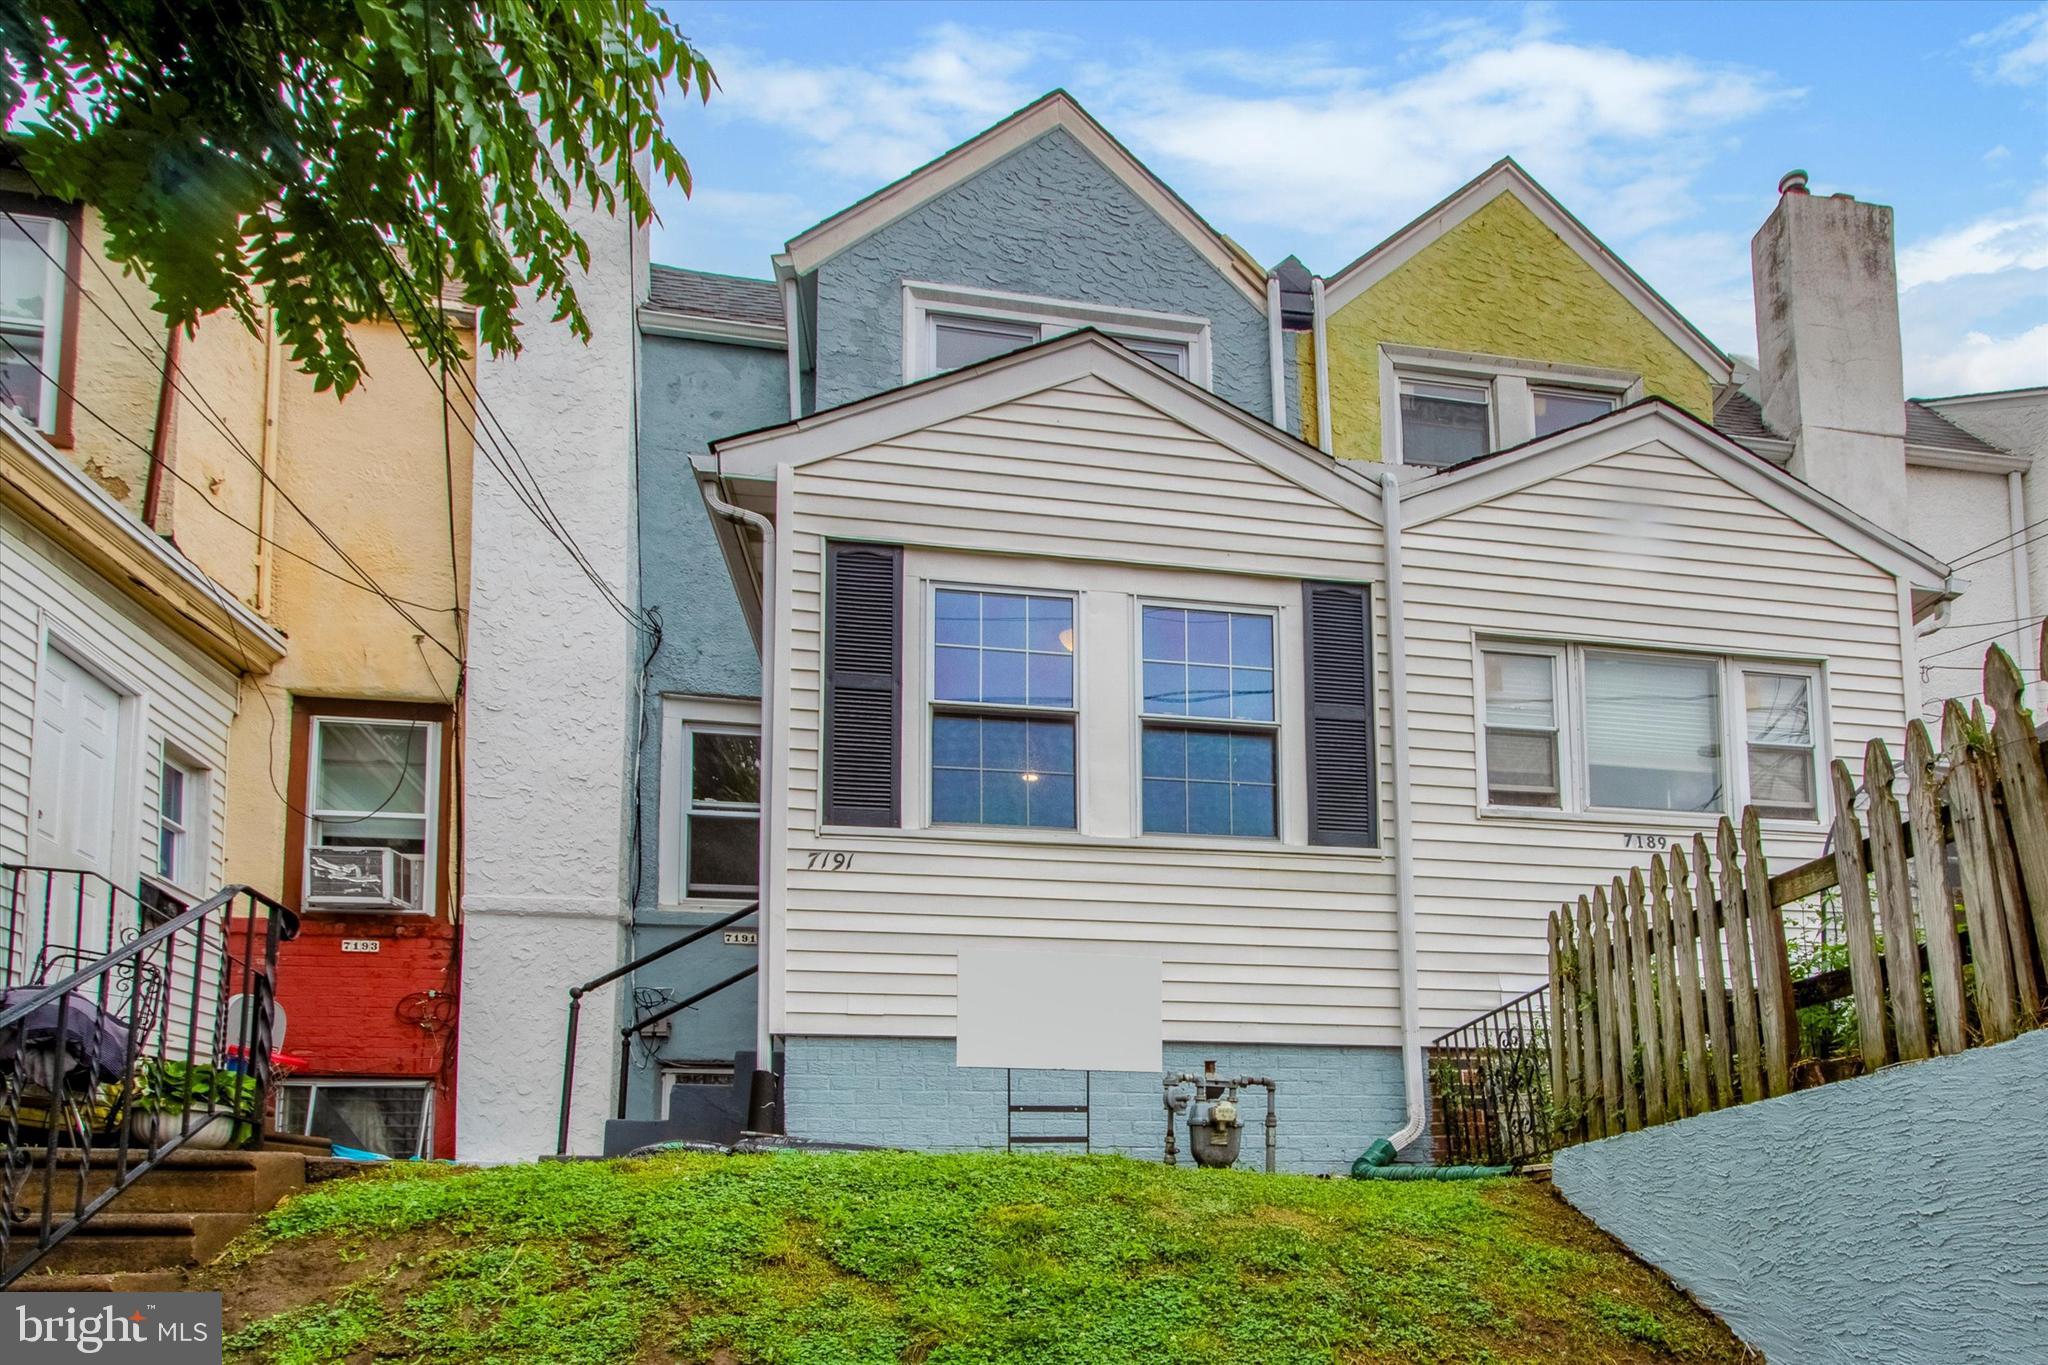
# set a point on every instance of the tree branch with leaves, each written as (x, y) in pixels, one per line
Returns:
(338, 160)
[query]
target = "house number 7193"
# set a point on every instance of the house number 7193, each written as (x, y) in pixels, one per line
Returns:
(819, 861)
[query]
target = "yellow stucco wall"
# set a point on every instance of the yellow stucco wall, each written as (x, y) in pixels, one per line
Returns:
(369, 469)
(1499, 283)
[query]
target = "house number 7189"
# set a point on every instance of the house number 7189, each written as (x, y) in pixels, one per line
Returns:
(819, 861)
(1645, 841)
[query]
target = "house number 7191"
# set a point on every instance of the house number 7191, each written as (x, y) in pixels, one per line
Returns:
(818, 861)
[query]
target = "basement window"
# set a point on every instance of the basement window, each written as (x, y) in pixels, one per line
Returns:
(389, 1118)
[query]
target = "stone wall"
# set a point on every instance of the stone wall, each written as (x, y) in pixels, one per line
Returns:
(1894, 1217)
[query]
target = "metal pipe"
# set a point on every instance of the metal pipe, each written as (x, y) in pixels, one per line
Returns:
(2022, 573)
(1404, 817)
(772, 815)
(1324, 441)
(1276, 349)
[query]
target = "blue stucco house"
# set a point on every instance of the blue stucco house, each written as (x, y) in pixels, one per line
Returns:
(1041, 225)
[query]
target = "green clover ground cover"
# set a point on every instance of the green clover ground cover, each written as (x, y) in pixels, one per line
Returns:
(892, 1257)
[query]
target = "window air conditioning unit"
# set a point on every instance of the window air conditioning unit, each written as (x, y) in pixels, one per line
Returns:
(364, 879)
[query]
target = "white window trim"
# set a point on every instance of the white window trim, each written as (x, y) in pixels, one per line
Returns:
(430, 800)
(1511, 413)
(319, 1083)
(1140, 717)
(1574, 789)
(195, 825)
(923, 301)
(1560, 705)
(929, 590)
(55, 283)
(680, 715)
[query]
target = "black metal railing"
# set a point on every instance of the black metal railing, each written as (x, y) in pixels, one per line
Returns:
(1491, 1082)
(576, 994)
(128, 1029)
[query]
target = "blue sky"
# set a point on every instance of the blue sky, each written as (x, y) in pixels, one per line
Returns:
(1320, 128)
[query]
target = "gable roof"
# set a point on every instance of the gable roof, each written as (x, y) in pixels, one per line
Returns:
(1506, 177)
(1655, 420)
(1057, 109)
(1033, 369)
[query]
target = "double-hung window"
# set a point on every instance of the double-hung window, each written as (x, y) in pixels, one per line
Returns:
(371, 782)
(1209, 755)
(1777, 720)
(722, 824)
(1444, 424)
(1589, 728)
(1523, 727)
(949, 327)
(180, 824)
(1002, 708)
(32, 296)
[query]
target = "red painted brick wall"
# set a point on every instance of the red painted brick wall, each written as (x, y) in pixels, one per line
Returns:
(363, 1015)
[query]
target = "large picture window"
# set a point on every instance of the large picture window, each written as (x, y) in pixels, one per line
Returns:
(1209, 747)
(1586, 728)
(1002, 708)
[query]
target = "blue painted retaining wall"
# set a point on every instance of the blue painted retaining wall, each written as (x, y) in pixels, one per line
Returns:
(906, 1092)
(1048, 219)
(1898, 1217)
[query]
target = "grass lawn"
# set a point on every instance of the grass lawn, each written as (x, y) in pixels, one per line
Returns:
(894, 1257)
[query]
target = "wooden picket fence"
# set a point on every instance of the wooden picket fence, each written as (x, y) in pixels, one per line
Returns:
(1672, 989)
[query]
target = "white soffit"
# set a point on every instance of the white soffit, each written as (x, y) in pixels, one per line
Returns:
(1656, 425)
(1505, 177)
(1071, 1011)
(1058, 109)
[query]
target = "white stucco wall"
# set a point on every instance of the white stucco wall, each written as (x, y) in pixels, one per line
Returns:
(2016, 421)
(550, 695)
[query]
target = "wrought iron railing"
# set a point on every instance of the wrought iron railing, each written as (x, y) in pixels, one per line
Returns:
(638, 1026)
(129, 1028)
(1490, 1079)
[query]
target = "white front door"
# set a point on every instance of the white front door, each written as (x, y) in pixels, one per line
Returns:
(74, 768)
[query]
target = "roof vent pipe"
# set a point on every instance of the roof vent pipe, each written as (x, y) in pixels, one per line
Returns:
(1792, 182)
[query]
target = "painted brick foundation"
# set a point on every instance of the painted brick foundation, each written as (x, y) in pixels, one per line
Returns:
(369, 1015)
(906, 1092)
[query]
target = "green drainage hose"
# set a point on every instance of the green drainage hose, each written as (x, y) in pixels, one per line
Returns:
(1378, 1164)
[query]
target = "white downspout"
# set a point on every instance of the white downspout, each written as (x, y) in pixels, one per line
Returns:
(1322, 335)
(2022, 575)
(1275, 341)
(792, 342)
(764, 1038)
(1404, 816)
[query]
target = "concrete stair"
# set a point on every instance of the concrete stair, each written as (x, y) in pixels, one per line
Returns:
(180, 1213)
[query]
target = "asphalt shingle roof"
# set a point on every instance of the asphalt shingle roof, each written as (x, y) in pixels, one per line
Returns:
(1741, 418)
(704, 295)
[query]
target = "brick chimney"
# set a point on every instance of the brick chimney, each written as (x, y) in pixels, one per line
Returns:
(1827, 329)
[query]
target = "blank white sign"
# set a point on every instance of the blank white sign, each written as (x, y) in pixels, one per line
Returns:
(1059, 1010)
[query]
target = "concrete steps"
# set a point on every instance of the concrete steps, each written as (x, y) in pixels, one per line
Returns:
(180, 1213)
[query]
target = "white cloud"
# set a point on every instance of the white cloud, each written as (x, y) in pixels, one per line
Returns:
(2014, 52)
(2001, 241)
(875, 124)
(1979, 363)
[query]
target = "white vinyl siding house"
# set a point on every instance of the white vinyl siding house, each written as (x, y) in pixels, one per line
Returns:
(170, 705)
(1648, 553)
(1085, 489)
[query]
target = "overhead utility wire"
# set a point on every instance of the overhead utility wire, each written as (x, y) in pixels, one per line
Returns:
(219, 424)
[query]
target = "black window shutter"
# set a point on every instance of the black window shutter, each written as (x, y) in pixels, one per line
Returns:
(1343, 790)
(863, 683)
